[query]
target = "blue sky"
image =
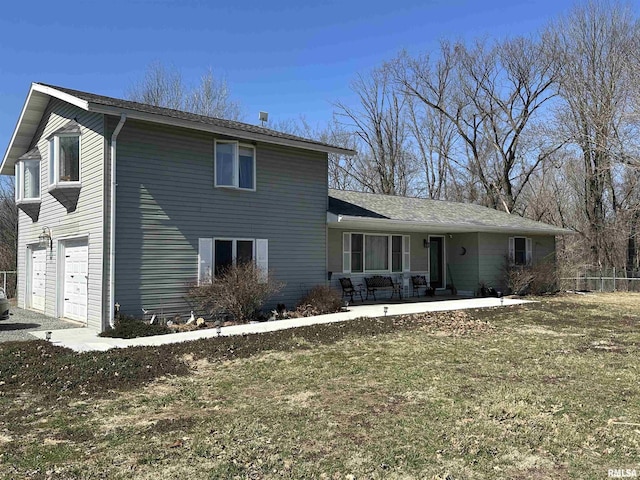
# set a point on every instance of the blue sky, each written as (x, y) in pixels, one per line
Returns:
(282, 56)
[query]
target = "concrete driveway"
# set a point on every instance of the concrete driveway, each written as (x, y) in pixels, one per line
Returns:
(21, 322)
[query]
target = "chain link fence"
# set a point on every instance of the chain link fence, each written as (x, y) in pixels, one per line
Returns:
(602, 280)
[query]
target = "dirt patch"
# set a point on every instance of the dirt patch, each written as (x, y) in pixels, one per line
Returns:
(455, 323)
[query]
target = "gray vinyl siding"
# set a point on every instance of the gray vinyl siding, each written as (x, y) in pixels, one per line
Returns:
(494, 250)
(85, 221)
(166, 201)
(463, 269)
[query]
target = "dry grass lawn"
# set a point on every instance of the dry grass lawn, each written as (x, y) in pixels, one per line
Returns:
(545, 390)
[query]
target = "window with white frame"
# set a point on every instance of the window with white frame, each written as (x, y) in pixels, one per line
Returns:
(375, 253)
(235, 165)
(64, 159)
(520, 250)
(215, 255)
(27, 180)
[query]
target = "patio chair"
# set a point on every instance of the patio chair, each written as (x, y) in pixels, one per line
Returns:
(348, 289)
(420, 281)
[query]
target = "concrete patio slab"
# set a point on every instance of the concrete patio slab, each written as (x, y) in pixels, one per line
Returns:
(84, 339)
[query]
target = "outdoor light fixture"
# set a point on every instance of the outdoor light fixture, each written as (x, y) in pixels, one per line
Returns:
(45, 238)
(218, 327)
(47, 336)
(386, 309)
(426, 243)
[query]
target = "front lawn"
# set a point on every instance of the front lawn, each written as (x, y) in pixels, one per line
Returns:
(544, 390)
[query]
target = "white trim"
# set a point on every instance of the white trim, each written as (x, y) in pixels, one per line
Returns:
(528, 251)
(202, 246)
(389, 269)
(65, 97)
(406, 253)
(235, 181)
(261, 259)
(346, 252)
(19, 184)
(54, 162)
(234, 249)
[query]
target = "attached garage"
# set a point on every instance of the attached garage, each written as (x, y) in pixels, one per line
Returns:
(37, 278)
(75, 275)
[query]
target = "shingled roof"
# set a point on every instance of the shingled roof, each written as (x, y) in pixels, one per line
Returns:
(40, 94)
(369, 209)
(118, 103)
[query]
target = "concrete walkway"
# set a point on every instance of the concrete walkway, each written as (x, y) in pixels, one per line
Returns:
(84, 339)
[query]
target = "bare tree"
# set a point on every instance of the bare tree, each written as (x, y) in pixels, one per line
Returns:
(165, 87)
(592, 48)
(383, 164)
(213, 98)
(8, 224)
(490, 95)
(434, 147)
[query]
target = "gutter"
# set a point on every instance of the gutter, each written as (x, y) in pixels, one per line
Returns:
(112, 221)
(339, 221)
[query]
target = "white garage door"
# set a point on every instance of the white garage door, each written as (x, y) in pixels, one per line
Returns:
(76, 263)
(38, 277)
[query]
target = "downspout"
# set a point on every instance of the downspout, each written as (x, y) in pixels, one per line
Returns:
(112, 222)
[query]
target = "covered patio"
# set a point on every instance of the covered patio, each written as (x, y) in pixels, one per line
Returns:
(455, 247)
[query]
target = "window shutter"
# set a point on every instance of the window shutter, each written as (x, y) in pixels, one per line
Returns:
(346, 253)
(262, 258)
(205, 260)
(406, 253)
(529, 252)
(512, 250)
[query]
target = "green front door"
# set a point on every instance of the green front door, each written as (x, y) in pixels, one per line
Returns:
(436, 261)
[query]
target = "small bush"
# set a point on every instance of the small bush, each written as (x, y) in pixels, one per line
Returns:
(518, 279)
(239, 292)
(545, 278)
(320, 300)
(531, 279)
(130, 327)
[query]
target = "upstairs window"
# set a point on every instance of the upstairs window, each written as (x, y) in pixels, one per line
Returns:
(64, 159)
(27, 180)
(235, 165)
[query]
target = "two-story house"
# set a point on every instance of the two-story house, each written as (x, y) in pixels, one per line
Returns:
(127, 203)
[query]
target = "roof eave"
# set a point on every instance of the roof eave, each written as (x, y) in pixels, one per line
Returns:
(345, 221)
(24, 131)
(178, 122)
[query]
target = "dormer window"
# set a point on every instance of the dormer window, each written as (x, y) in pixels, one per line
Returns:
(64, 156)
